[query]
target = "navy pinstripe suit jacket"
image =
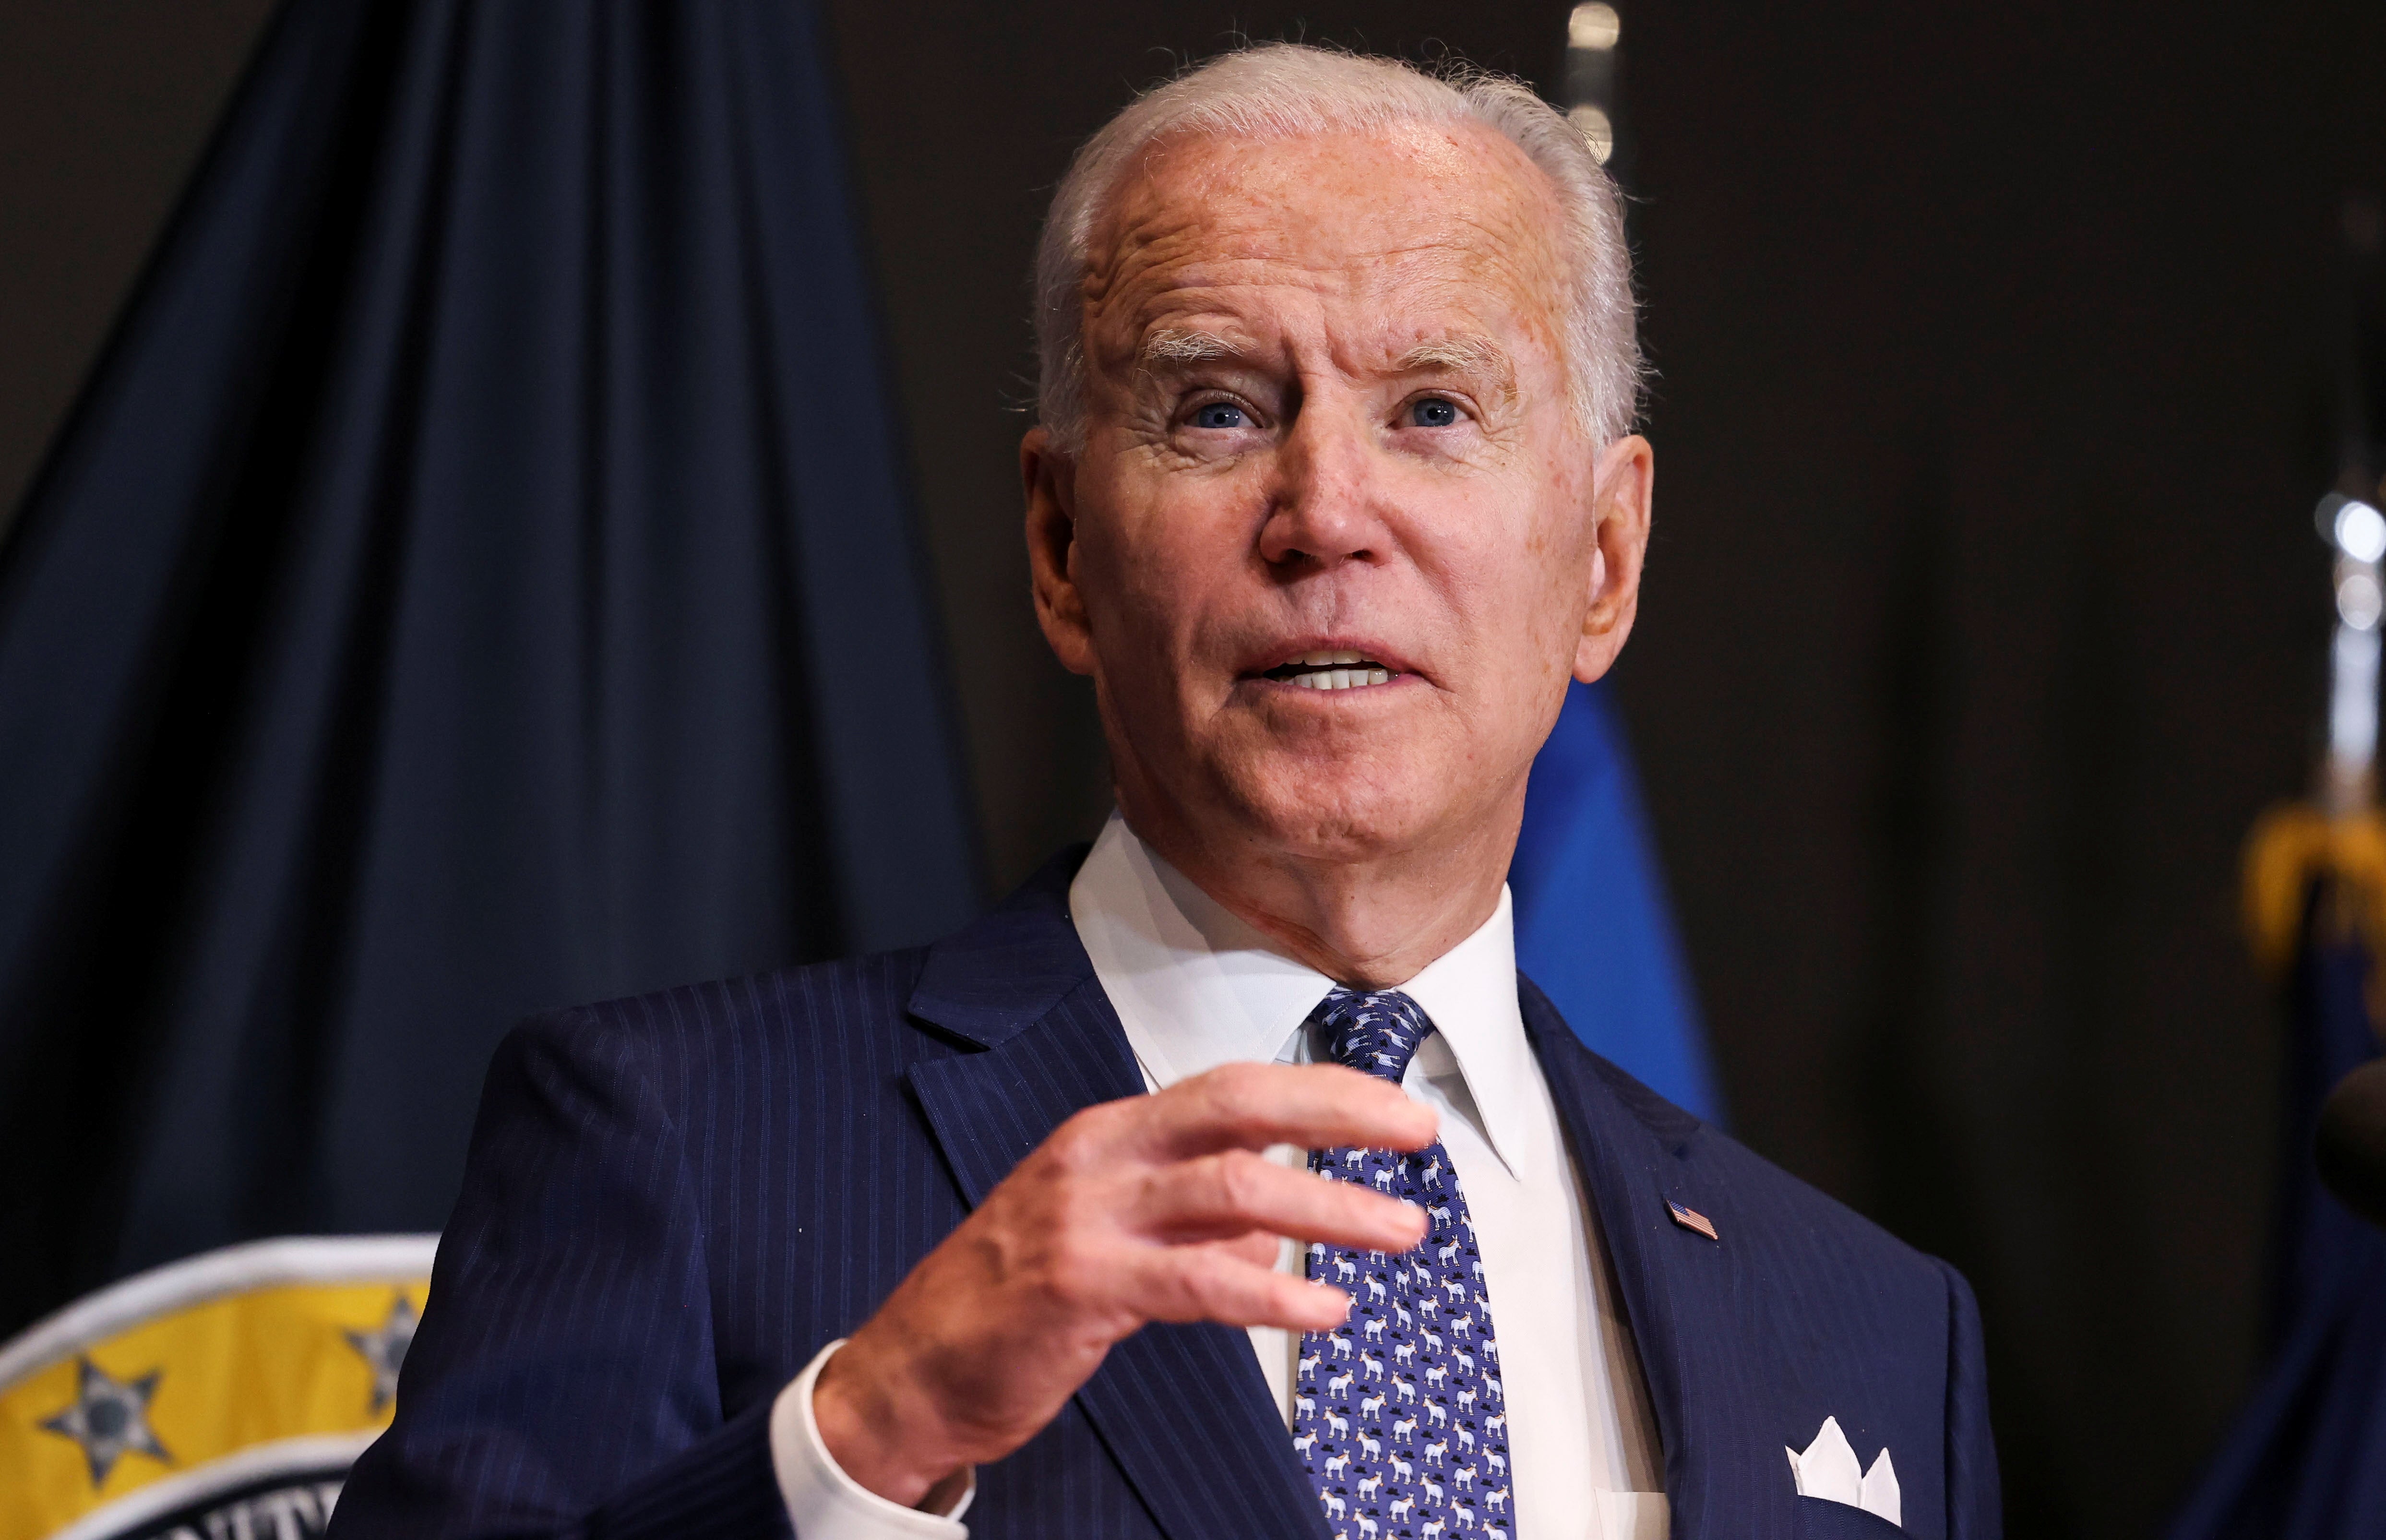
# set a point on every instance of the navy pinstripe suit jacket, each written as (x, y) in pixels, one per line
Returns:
(672, 1202)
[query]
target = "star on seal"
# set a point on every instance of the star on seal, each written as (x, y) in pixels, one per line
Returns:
(110, 1418)
(384, 1348)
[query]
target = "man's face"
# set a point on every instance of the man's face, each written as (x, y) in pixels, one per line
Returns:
(1327, 418)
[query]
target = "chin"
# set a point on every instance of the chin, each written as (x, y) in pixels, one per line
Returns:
(1341, 812)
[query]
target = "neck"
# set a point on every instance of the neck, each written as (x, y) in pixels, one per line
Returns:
(1366, 923)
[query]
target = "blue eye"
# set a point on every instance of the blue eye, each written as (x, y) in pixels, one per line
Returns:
(1433, 412)
(1219, 414)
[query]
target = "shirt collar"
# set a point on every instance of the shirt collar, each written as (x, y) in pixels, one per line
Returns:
(1196, 986)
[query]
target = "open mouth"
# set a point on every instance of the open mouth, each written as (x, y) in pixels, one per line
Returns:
(1330, 670)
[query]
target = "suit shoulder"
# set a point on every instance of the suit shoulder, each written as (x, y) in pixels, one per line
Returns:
(1799, 1205)
(811, 1000)
(1807, 1234)
(1773, 1197)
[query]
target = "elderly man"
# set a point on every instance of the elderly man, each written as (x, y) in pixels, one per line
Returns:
(1227, 1181)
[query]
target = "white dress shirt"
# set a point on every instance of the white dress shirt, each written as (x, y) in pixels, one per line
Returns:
(1195, 987)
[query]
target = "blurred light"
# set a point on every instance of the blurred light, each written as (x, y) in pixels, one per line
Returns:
(1595, 128)
(1595, 26)
(2352, 698)
(2360, 530)
(2359, 602)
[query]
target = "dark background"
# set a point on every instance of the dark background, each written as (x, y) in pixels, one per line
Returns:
(1984, 613)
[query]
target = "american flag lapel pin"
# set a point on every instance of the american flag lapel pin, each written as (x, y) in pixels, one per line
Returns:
(1690, 1219)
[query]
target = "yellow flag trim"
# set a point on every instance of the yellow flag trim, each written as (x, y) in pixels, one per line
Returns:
(2291, 848)
(251, 1346)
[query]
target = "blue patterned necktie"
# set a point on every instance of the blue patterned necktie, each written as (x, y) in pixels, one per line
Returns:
(1397, 1413)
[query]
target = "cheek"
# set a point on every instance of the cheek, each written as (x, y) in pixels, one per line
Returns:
(1161, 562)
(1562, 547)
(1516, 574)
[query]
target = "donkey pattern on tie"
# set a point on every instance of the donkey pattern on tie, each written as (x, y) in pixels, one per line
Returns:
(1354, 1476)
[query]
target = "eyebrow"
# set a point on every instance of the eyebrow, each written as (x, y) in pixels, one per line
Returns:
(1461, 352)
(1168, 345)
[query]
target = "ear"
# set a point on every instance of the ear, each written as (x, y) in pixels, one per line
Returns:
(1622, 485)
(1049, 477)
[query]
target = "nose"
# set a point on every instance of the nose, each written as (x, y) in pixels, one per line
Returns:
(1325, 504)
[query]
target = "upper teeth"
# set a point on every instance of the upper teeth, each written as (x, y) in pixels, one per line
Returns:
(1332, 670)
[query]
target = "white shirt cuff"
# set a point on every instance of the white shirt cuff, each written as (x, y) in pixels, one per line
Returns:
(823, 1502)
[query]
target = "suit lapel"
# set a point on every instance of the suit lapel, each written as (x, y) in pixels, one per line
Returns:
(1681, 1291)
(1183, 1409)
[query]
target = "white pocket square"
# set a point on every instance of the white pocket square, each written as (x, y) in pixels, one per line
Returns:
(1828, 1469)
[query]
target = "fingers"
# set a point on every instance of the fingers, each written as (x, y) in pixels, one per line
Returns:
(1210, 1283)
(1234, 1191)
(1150, 1208)
(1255, 1247)
(1253, 1105)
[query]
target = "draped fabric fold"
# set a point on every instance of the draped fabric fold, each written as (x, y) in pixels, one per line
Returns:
(478, 576)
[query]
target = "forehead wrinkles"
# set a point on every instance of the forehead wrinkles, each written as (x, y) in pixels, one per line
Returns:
(1450, 223)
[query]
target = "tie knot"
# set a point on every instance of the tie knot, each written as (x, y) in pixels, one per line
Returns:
(1373, 1033)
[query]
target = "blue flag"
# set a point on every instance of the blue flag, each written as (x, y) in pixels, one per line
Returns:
(478, 577)
(1593, 927)
(2306, 1458)
(454, 594)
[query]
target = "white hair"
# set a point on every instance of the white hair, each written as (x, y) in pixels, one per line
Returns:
(1286, 90)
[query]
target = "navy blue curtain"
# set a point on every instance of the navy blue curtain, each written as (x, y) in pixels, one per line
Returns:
(476, 578)
(2307, 1459)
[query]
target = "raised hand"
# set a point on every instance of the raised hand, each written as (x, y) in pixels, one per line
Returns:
(1157, 1207)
